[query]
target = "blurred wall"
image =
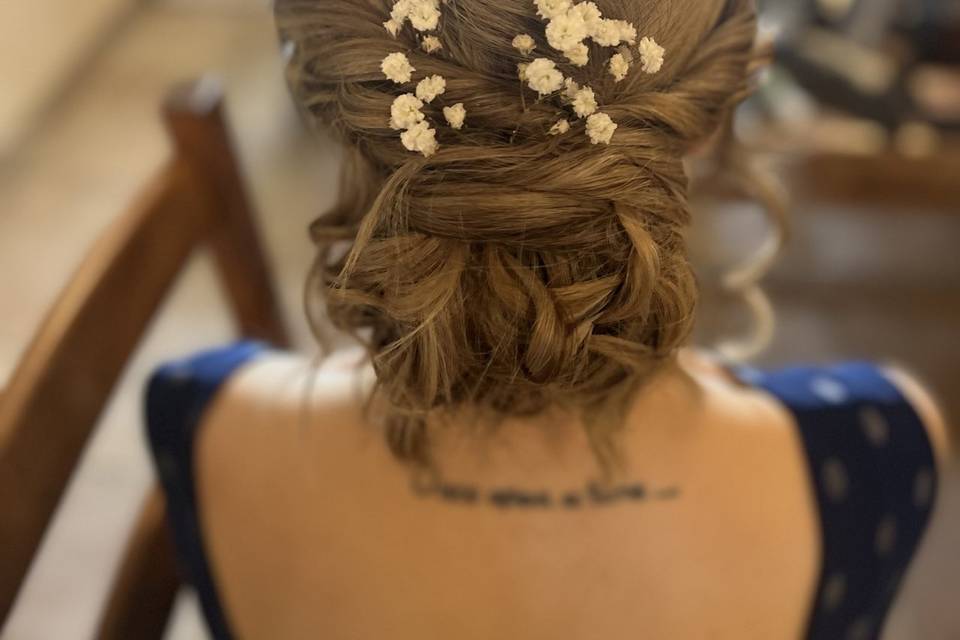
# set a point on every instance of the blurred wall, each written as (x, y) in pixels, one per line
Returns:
(43, 42)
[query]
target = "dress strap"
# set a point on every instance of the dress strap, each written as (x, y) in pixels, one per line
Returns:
(873, 472)
(177, 396)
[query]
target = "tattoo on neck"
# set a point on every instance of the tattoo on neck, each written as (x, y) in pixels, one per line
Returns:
(593, 494)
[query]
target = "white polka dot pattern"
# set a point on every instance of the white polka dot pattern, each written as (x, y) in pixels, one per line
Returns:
(923, 488)
(834, 591)
(873, 466)
(829, 390)
(860, 630)
(875, 427)
(886, 537)
(835, 480)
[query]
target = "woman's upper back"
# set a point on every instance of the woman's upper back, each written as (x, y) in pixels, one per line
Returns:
(312, 528)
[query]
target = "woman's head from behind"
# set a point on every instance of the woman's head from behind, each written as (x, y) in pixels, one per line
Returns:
(513, 270)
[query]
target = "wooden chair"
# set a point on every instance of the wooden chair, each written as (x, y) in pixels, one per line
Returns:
(59, 389)
(884, 179)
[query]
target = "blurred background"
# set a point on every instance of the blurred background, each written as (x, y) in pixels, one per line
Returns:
(860, 116)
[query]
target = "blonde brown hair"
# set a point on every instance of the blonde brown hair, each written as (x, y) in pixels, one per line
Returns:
(513, 271)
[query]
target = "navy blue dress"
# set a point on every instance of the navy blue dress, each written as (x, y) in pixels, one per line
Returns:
(870, 461)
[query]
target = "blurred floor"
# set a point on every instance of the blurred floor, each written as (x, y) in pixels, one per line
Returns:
(102, 139)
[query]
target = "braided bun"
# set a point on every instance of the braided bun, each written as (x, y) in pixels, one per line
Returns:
(513, 270)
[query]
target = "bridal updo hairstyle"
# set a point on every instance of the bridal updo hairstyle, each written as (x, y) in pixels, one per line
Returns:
(513, 271)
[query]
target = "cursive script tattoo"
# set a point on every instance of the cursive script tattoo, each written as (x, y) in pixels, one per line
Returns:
(593, 494)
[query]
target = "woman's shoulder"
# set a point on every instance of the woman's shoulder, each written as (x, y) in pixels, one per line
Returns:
(863, 395)
(285, 381)
(270, 402)
(851, 408)
(236, 410)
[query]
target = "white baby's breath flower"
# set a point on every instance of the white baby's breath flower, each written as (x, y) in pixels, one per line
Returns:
(431, 44)
(405, 111)
(421, 138)
(607, 33)
(431, 87)
(524, 44)
(578, 55)
(570, 88)
(566, 31)
(522, 71)
(628, 32)
(651, 55)
(584, 102)
(455, 115)
(401, 11)
(562, 126)
(397, 67)
(590, 14)
(619, 66)
(600, 128)
(542, 76)
(549, 9)
(425, 15)
(392, 27)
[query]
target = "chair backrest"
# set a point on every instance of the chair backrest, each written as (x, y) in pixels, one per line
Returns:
(61, 385)
(888, 178)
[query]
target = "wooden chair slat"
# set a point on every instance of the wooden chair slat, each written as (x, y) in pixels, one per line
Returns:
(195, 117)
(146, 584)
(196, 121)
(887, 179)
(66, 377)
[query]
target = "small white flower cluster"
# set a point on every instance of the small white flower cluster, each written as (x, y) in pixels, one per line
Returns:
(620, 65)
(524, 44)
(542, 76)
(569, 26)
(406, 116)
(431, 44)
(397, 67)
(431, 87)
(424, 15)
(406, 113)
(651, 55)
(600, 127)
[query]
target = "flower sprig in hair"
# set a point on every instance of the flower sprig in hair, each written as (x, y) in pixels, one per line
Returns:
(424, 15)
(524, 44)
(569, 26)
(431, 44)
(584, 102)
(619, 66)
(600, 128)
(407, 116)
(397, 67)
(422, 138)
(431, 87)
(562, 126)
(406, 112)
(542, 76)
(455, 115)
(651, 55)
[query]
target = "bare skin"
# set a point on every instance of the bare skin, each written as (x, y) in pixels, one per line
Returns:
(313, 529)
